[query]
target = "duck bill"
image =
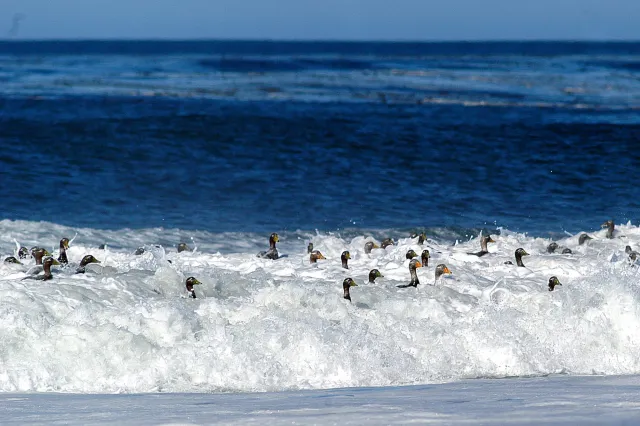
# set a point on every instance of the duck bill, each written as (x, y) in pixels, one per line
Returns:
(375, 245)
(353, 284)
(320, 256)
(446, 270)
(196, 282)
(491, 240)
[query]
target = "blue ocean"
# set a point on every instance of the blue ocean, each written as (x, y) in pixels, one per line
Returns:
(271, 136)
(123, 149)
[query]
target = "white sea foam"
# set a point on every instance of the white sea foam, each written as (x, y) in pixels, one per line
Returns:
(260, 325)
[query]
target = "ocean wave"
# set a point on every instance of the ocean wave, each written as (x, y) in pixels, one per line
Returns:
(260, 325)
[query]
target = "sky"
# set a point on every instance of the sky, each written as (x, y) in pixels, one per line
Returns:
(323, 19)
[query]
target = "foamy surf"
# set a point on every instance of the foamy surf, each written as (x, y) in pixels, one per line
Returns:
(261, 325)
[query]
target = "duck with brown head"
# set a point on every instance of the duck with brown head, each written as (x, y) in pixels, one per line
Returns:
(370, 245)
(315, 256)
(413, 265)
(610, 228)
(46, 267)
(441, 269)
(62, 257)
(483, 246)
(272, 253)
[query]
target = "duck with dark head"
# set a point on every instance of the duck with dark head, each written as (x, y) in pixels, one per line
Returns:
(346, 286)
(272, 253)
(23, 253)
(553, 281)
(411, 254)
(12, 259)
(387, 242)
(518, 254)
(422, 237)
(373, 274)
(425, 257)
(62, 257)
(84, 262)
(583, 239)
(309, 248)
(183, 247)
(189, 283)
(344, 257)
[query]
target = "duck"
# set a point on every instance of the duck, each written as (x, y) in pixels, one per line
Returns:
(139, 251)
(315, 255)
(387, 242)
(633, 255)
(62, 257)
(441, 269)
(610, 227)
(189, 283)
(373, 274)
(425, 257)
(272, 253)
(345, 258)
(23, 253)
(583, 239)
(370, 245)
(183, 247)
(12, 259)
(411, 254)
(553, 281)
(346, 285)
(84, 262)
(36, 249)
(422, 237)
(38, 254)
(519, 253)
(551, 248)
(309, 248)
(483, 246)
(413, 265)
(46, 267)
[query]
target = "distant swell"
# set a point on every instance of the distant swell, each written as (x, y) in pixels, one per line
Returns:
(288, 64)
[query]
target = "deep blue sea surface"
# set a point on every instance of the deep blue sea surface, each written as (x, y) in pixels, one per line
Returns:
(270, 136)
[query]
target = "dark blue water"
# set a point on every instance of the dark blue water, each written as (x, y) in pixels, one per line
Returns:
(536, 137)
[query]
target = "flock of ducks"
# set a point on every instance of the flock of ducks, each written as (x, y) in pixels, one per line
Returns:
(44, 261)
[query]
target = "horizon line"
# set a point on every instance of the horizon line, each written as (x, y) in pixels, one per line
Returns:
(302, 40)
